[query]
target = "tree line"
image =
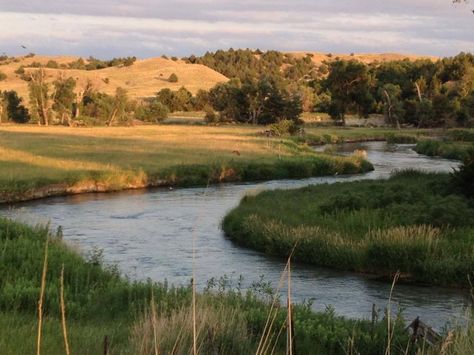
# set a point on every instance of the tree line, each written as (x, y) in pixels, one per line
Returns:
(270, 87)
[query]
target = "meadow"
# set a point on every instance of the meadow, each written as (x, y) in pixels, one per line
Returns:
(38, 162)
(414, 223)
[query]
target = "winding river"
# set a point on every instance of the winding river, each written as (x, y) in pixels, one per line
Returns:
(148, 234)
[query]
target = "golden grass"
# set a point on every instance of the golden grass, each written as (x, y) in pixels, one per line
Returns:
(367, 58)
(143, 79)
(123, 157)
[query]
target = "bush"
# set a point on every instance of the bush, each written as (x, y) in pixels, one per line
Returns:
(211, 116)
(173, 78)
(284, 127)
(3, 76)
(463, 179)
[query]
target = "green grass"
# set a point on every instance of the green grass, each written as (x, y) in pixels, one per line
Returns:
(38, 161)
(457, 150)
(315, 135)
(412, 223)
(100, 302)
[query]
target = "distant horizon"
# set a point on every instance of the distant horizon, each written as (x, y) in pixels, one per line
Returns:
(169, 56)
(150, 28)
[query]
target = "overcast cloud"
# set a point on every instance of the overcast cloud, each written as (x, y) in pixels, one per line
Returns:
(110, 28)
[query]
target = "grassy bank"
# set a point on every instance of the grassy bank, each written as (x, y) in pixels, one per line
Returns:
(36, 162)
(100, 302)
(412, 223)
(333, 135)
(457, 144)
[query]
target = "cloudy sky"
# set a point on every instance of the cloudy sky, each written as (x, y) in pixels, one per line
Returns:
(107, 28)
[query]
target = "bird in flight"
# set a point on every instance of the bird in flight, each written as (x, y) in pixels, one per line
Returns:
(22, 46)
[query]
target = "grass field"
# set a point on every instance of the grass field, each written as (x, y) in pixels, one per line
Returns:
(37, 161)
(412, 223)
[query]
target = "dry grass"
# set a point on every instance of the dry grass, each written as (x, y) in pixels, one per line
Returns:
(220, 330)
(60, 160)
(367, 58)
(143, 79)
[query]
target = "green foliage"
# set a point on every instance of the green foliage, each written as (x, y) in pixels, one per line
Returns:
(151, 111)
(3, 76)
(284, 127)
(413, 222)
(349, 84)
(448, 150)
(463, 178)
(173, 78)
(261, 102)
(64, 98)
(13, 109)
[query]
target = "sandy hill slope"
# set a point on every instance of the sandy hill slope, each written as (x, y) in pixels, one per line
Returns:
(142, 79)
(367, 58)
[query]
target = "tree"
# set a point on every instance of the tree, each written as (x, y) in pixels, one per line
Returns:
(64, 98)
(349, 83)
(11, 108)
(151, 111)
(392, 106)
(39, 98)
(119, 105)
(173, 78)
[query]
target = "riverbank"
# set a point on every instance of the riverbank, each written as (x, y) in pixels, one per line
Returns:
(412, 223)
(99, 302)
(39, 162)
(457, 144)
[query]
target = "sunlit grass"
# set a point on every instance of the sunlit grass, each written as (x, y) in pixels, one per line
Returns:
(113, 158)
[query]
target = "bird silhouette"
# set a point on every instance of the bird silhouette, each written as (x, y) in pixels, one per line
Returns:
(22, 46)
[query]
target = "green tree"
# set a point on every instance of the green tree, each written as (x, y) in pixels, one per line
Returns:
(151, 111)
(173, 78)
(40, 102)
(118, 110)
(393, 108)
(349, 83)
(64, 98)
(11, 108)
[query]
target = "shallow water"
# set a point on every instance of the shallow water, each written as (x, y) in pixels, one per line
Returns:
(148, 234)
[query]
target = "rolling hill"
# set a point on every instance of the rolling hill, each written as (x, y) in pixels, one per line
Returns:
(142, 79)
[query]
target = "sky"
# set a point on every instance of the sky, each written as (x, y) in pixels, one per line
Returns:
(147, 28)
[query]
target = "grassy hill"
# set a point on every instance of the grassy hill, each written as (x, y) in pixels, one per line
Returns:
(142, 79)
(367, 58)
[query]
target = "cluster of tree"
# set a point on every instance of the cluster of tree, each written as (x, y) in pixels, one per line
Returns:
(246, 64)
(64, 103)
(257, 102)
(91, 64)
(422, 93)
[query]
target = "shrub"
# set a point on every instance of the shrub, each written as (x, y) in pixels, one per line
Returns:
(3, 76)
(463, 179)
(173, 78)
(284, 127)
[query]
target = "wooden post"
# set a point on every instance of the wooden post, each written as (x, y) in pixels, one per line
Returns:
(106, 345)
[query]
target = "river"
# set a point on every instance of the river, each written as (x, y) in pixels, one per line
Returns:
(148, 234)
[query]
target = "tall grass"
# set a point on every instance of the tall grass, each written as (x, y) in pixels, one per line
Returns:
(458, 150)
(412, 223)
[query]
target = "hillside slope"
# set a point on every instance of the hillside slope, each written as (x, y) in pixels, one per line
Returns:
(367, 58)
(142, 79)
